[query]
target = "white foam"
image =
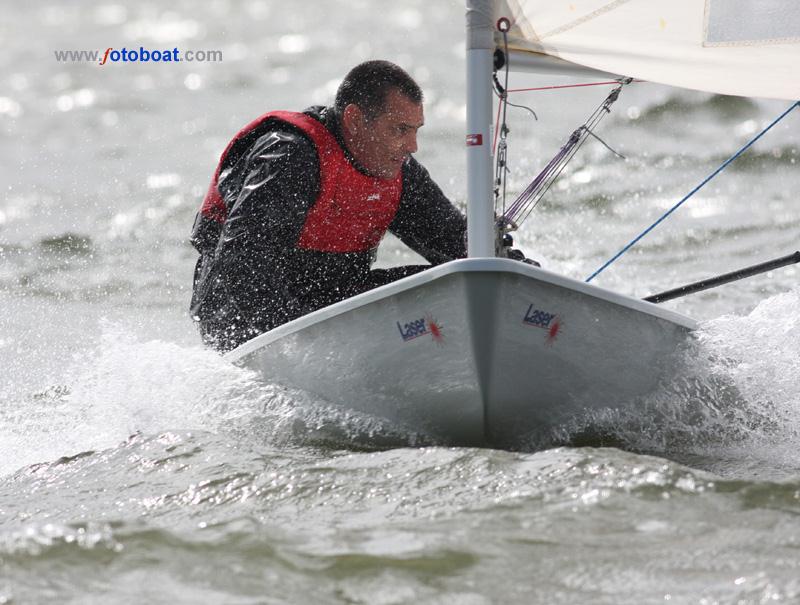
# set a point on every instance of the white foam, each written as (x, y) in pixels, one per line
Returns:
(737, 403)
(761, 351)
(122, 387)
(125, 386)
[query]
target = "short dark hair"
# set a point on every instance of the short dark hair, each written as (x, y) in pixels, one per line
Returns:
(367, 85)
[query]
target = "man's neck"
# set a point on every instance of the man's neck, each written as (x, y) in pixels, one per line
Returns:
(334, 123)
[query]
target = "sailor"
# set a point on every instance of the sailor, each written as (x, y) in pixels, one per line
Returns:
(300, 201)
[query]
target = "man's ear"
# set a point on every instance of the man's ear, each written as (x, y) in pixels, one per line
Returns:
(353, 119)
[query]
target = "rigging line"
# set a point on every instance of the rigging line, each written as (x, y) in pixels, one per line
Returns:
(525, 107)
(496, 129)
(569, 86)
(499, 109)
(536, 117)
(534, 193)
(501, 168)
(692, 192)
(545, 178)
(535, 197)
(501, 171)
(606, 145)
(552, 178)
(510, 90)
(529, 199)
(542, 182)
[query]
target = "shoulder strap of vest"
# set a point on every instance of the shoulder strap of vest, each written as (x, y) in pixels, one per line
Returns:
(214, 206)
(311, 126)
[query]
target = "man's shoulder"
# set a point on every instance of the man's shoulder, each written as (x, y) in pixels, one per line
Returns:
(287, 138)
(415, 172)
(320, 113)
(288, 134)
(282, 146)
(272, 142)
(287, 121)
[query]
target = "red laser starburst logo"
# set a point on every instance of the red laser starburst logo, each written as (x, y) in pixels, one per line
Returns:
(553, 332)
(548, 321)
(435, 329)
(419, 327)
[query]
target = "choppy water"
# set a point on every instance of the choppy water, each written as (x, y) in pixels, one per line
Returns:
(138, 467)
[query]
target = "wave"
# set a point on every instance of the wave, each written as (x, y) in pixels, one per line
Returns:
(722, 106)
(736, 393)
(733, 406)
(67, 243)
(125, 386)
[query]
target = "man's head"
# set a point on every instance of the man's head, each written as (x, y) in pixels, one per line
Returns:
(380, 109)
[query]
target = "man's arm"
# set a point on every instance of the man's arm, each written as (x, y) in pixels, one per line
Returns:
(426, 221)
(275, 184)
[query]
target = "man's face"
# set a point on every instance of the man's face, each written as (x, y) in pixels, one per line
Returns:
(383, 143)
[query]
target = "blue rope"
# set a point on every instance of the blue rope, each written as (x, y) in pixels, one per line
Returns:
(691, 193)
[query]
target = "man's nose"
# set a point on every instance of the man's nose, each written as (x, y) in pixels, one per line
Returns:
(410, 143)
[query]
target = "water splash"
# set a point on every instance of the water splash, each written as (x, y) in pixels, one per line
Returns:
(733, 405)
(126, 386)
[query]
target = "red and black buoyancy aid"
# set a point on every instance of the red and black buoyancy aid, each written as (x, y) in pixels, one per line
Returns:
(352, 211)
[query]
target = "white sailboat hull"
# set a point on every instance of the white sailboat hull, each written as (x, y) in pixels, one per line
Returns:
(475, 352)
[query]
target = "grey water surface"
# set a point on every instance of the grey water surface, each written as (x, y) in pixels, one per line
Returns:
(137, 467)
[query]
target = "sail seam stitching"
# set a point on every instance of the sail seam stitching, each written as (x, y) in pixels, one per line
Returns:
(581, 20)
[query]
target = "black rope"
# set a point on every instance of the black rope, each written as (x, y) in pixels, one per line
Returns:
(501, 168)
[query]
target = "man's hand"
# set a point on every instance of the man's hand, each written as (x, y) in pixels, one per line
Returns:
(514, 253)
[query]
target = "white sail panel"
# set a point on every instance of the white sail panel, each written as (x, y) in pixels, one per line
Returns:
(743, 21)
(736, 47)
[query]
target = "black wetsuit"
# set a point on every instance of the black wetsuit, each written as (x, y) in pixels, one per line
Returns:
(252, 276)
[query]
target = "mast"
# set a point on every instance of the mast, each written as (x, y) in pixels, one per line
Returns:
(480, 206)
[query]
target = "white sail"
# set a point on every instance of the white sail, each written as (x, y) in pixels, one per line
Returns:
(737, 47)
